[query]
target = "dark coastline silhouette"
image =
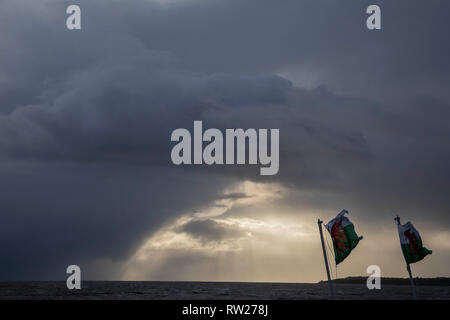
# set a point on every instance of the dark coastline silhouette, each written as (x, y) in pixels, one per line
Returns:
(439, 281)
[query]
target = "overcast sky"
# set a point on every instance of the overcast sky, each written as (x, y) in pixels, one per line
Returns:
(86, 118)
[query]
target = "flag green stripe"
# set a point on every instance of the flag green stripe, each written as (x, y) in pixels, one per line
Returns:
(412, 256)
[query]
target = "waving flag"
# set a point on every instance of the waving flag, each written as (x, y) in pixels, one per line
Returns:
(344, 237)
(411, 243)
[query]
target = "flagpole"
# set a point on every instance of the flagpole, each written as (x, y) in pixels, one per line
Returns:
(330, 285)
(411, 280)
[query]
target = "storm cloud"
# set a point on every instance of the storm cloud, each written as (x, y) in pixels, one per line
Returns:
(86, 118)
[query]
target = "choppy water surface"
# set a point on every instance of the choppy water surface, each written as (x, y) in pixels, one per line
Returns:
(210, 290)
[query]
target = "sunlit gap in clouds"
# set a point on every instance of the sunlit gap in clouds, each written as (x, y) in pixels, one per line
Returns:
(255, 232)
(224, 242)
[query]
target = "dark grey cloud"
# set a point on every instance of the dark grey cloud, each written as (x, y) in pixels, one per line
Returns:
(210, 230)
(56, 215)
(235, 195)
(86, 117)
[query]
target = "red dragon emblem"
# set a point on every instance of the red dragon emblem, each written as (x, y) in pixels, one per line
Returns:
(413, 241)
(339, 237)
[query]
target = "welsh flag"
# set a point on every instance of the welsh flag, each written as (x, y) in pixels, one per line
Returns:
(344, 237)
(411, 243)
